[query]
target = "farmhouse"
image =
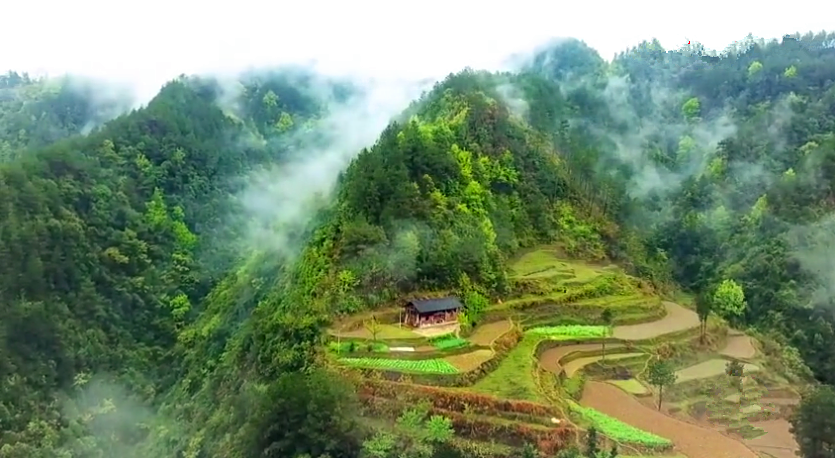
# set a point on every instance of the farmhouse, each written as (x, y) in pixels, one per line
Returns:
(421, 313)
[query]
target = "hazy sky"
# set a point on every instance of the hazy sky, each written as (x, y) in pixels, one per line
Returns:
(151, 41)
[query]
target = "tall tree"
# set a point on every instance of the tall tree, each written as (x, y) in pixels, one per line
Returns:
(661, 374)
(813, 424)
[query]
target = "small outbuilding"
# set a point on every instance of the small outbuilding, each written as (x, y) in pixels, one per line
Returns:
(421, 313)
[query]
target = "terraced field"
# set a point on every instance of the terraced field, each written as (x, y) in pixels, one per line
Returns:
(691, 440)
(560, 302)
(707, 369)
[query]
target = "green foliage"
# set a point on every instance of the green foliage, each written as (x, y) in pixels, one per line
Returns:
(448, 341)
(661, 374)
(754, 68)
(691, 109)
(619, 431)
(420, 366)
(591, 443)
(415, 435)
(114, 261)
(813, 425)
(729, 299)
(569, 332)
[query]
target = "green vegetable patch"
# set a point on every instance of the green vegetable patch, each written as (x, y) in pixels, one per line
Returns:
(571, 332)
(448, 342)
(618, 430)
(422, 366)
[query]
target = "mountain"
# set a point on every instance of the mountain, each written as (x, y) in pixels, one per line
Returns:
(160, 300)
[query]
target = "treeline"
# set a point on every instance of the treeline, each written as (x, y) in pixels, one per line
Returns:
(109, 243)
(131, 327)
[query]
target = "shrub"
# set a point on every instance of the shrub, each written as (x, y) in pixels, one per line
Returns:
(549, 439)
(457, 400)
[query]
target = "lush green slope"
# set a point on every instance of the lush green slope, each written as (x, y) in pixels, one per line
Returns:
(109, 243)
(733, 177)
(131, 327)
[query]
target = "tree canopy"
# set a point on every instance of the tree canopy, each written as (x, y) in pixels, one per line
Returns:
(134, 324)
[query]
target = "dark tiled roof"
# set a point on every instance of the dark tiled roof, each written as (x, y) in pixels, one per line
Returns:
(436, 305)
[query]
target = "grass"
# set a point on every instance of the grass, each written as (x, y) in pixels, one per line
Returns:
(513, 379)
(747, 431)
(618, 430)
(421, 366)
(448, 342)
(546, 263)
(631, 386)
(570, 332)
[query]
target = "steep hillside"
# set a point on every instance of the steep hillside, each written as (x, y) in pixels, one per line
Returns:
(568, 205)
(109, 243)
(37, 112)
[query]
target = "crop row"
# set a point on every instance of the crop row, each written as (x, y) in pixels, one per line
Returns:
(420, 366)
(459, 401)
(448, 341)
(620, 431)
(567, 332)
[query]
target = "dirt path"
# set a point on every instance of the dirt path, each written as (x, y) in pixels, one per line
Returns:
(691, 440)
(777, 440)
(739, 347)
(677, 319)
(550, 359)
(487, 333)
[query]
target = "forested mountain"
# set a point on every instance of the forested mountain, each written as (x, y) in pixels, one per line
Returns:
(134, 325)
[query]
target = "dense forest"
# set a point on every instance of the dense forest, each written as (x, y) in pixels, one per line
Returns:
(135, 322)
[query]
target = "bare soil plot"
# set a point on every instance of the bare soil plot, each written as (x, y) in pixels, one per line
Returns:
(739, 347)
(386, 331)
(436, 331)
(677, 319)
(487, 333)
(469, 361)
(777, 441)
(707, 369)
(689, 439)
(631, 386)
(550, 359)
(572, 367)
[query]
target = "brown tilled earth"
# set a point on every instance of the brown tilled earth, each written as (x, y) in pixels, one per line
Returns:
(466, 362)
(691, 440)
(550, 359)
(485, 334)
(739, 347)
(677, 319)
(777, 441)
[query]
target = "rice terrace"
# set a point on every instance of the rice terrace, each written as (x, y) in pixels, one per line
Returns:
(568, 350)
